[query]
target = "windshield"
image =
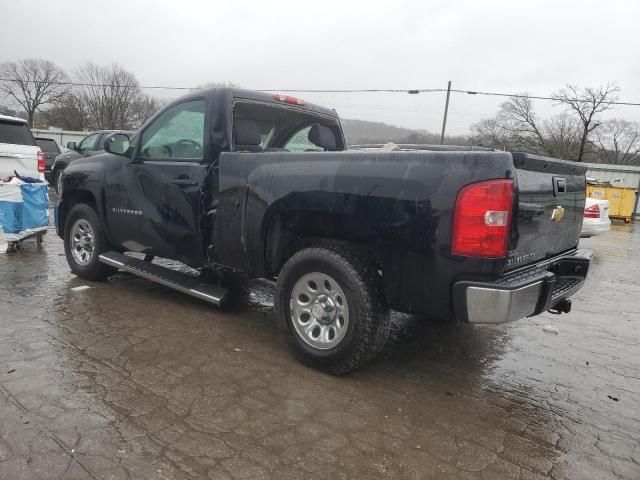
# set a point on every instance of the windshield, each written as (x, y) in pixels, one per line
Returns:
(178, 133)
(15, 133)
(48, 145)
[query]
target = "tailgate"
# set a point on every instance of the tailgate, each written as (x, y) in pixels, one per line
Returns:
(21, 158)
(550, 206)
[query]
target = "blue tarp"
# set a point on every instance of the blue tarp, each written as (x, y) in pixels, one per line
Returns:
(11, 216)
(36, 205)
(23, 207)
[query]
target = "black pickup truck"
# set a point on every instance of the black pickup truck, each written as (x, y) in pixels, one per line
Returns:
(228, 180)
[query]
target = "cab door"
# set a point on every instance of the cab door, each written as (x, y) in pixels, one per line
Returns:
(153, 202)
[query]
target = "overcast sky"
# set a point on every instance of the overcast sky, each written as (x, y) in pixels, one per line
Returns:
(505, 46)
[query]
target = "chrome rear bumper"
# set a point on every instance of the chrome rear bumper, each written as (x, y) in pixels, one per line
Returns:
(523, 293)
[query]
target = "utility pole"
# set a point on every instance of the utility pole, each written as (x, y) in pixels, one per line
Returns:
(446, 111)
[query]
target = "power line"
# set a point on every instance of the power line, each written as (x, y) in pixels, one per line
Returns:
(532, 97)
(438, 90)
(300, 90)
(360, 90)
(158, 87)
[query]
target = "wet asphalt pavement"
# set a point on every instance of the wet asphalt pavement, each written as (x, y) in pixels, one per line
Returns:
(130, 380)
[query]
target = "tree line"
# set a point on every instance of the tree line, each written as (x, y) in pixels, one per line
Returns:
(103, 97)
(579, 133)
(108, 97)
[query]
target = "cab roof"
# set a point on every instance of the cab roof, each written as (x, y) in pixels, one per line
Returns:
(264, 97)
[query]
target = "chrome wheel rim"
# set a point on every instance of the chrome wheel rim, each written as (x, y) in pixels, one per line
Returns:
(319, 310)
(59, 183)
(82, 242)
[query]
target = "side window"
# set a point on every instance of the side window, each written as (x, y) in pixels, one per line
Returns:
(177, 134)
(89, 143)
(300, 142)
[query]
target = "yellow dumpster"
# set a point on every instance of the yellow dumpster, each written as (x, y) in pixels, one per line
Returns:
(622, 200)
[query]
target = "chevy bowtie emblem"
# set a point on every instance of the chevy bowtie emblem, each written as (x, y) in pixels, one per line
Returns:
(558, 214)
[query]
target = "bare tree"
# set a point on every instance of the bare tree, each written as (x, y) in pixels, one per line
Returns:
(69, 114)
(587, 104)
(519, 119)
(208, 85)
(489, 132)
(144, 108)
(109, 94)
(32, 83)
(618, 142)
(562, 135)
(515, 127)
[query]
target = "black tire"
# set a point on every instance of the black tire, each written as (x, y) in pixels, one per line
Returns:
(94, 269)
(368, 325)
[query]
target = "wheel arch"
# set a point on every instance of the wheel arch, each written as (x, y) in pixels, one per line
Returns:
(71, 198)
(59, 165)
(286, 231)
(57, 168)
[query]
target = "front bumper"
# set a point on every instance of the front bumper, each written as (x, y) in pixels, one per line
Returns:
(522, 293)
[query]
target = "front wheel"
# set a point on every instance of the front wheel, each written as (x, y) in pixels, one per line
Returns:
(83, 242)
(330, 308)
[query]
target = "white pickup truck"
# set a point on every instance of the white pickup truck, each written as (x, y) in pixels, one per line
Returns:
(18, 149)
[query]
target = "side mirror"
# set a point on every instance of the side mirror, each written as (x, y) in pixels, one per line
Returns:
(71, 145)
(118, 144)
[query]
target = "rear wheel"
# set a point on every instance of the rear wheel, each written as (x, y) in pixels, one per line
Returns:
(83, 242)
(330, 308)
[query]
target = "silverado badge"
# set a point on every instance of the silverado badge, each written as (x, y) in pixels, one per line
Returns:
(558, 214)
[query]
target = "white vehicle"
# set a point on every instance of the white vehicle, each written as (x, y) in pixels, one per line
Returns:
(596, 217)
(18, 149)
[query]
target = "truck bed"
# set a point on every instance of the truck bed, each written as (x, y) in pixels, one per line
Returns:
(399, 203)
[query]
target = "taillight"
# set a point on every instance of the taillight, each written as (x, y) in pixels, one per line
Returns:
(482, 219)
(592, 212)
(288, 99)
(42, 161)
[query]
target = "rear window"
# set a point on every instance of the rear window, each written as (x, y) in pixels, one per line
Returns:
(47, 145)
(15, 133)
(279, 127)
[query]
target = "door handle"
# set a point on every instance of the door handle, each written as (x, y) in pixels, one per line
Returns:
(184, 182)
(559, 185)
